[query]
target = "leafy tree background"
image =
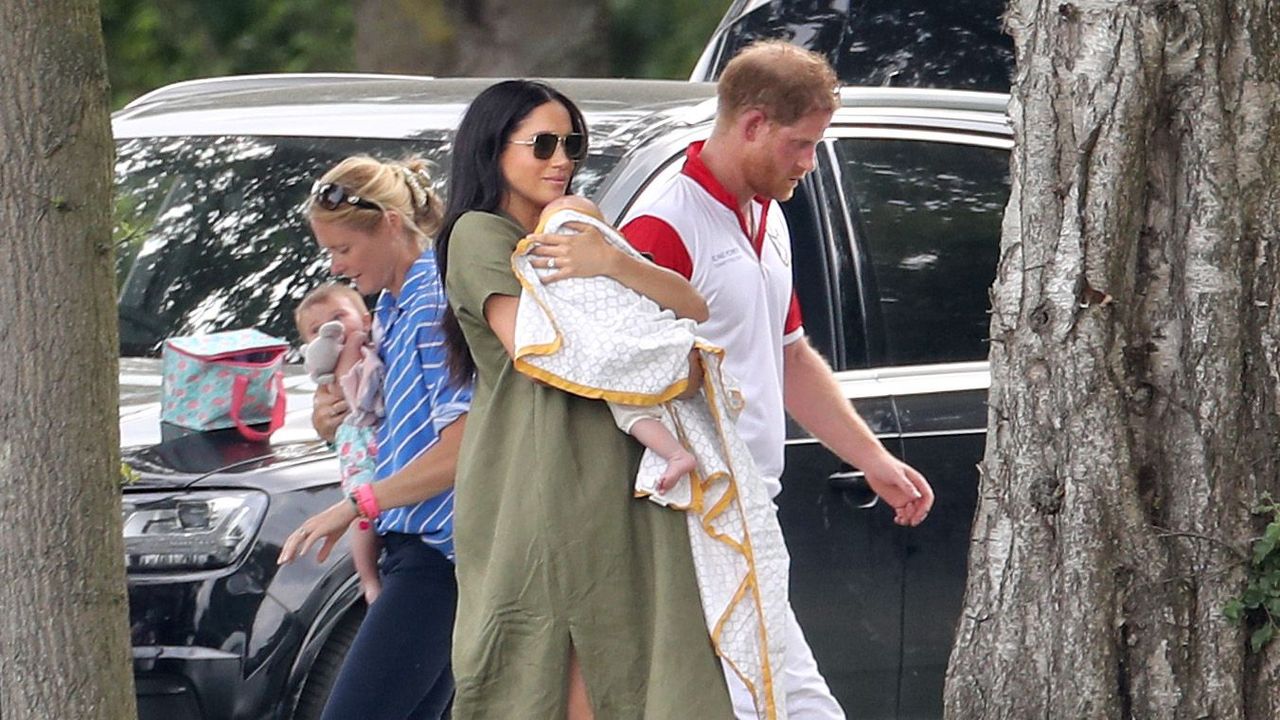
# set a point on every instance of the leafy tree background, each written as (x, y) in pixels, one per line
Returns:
(150, 44)
(660, 38)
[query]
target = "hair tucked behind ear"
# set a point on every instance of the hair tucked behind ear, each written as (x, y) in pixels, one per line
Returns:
(475, 177)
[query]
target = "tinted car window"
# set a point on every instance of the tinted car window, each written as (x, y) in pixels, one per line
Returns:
(903, 43)
(209, 234)
(930, 222)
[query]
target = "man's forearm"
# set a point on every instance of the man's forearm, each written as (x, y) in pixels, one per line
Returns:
(813, 398)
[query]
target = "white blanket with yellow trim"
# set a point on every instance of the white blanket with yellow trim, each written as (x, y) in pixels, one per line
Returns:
(596, 338)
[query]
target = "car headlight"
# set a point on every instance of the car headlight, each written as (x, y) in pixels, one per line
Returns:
(196, 530)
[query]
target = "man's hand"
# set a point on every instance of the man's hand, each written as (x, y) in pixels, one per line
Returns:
(814, 399)
(902, 487)
(328, 409)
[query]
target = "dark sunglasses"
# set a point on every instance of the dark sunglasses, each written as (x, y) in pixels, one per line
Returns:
(544, 145)
(331, 196)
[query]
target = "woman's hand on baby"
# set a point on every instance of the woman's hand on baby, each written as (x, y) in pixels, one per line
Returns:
(583, 254)
(328, 409)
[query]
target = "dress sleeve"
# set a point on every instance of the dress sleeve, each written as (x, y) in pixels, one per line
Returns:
(479, 262)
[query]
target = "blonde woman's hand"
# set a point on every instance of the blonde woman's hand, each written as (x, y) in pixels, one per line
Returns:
(326, 527)
(328, 409)
(583, 254)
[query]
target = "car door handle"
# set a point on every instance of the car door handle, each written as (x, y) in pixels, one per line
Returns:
(854, 482)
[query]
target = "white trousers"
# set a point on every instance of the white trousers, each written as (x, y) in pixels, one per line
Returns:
(806, 693)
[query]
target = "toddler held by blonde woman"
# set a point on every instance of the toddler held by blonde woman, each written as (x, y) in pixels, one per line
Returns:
(334, 316)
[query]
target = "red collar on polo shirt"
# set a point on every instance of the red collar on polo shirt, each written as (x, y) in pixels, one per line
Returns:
(701, 174)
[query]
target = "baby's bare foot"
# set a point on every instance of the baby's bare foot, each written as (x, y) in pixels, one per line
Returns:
(678, 465)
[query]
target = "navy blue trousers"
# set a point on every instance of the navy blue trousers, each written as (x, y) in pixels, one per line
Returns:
(398, 666)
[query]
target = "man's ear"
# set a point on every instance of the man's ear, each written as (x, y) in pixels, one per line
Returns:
(752, 123)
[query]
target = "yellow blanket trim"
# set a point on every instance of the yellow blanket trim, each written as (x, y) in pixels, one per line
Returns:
(752, 579)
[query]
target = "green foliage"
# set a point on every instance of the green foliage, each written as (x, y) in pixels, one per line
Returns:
(660, 38)
(1259, 605)
(128, 475)
(150, 44)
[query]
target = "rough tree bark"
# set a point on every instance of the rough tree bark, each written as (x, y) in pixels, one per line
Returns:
(483, 38)
(1135, 362)
(64, 643)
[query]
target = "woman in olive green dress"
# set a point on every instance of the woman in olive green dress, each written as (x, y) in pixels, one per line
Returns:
(575, 599)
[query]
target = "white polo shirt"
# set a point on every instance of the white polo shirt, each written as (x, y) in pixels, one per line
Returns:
(692, 226)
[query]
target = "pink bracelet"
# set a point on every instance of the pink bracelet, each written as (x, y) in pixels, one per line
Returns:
(366, 503)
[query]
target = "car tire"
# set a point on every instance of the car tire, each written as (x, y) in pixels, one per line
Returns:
(325, 669)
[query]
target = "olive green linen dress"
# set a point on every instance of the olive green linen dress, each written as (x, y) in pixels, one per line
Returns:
(553, 549)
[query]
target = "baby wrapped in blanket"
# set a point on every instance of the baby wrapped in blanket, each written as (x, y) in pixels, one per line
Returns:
(594, 337)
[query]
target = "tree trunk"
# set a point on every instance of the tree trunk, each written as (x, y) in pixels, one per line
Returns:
(483, 38)
(1135, 359)
(64, 643)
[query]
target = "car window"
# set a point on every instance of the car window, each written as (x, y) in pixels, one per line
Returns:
(209, 232)
(901, 43)
(929, 218)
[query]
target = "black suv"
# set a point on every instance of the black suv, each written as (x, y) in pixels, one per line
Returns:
(896, 237)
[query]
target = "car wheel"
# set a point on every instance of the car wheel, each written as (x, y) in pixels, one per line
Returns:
(324, 671)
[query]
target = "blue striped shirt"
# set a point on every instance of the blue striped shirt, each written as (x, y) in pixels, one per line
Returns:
(420, 400)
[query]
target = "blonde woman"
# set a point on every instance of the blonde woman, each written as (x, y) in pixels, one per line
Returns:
(374, 220)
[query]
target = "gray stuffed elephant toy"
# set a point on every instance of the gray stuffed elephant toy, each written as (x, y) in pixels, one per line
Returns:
(320, 356)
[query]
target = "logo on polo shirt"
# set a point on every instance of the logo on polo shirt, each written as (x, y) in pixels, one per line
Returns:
(723, 257)
(780, 245)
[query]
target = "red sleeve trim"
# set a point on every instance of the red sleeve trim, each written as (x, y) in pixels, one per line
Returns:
(655, 238)
(794, 321)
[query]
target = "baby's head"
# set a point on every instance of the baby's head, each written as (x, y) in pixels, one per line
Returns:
(571, 202)
(331, 301)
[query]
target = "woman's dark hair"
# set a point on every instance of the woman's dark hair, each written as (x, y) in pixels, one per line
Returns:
(475, 178)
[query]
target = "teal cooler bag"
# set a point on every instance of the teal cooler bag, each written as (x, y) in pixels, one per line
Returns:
(225, 379)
